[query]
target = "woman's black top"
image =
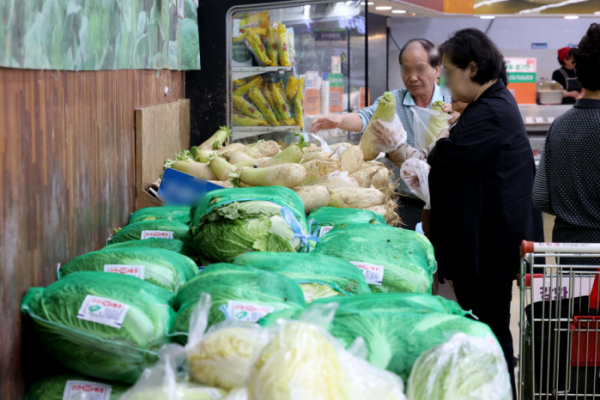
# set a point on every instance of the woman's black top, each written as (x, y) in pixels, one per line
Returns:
(568, 79)
(481, 184)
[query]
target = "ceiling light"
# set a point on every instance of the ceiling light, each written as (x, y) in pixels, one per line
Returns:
(413, 14)
(399, 11)
(306, 11)
(571, 16)
(383, 8)
(487, 17)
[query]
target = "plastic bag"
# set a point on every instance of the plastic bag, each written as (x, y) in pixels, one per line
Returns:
(158, 229)
(223, 355)
(326, 218)
(463, 368)
(107, 326)
(415, 173)
(334, 180)
(323, 143)
(303, 361)
(179, 214)
(74, 387)
(238, 293)
(428, 124)
(164, 381)
(396, 135)
(172, 245)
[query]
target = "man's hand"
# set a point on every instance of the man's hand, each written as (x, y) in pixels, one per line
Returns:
(383, 133)
(447, 108)
(326, 122)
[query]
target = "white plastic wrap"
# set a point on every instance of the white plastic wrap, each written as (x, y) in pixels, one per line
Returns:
(464, 368)
(334, 180)
(427, 125)
(310, 137)
(415, 173)
(393, 137)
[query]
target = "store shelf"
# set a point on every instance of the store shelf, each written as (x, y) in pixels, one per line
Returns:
(245, 72)
(242, 132)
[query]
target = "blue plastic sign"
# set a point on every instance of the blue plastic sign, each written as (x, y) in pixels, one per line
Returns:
(539, 46)
(179, 189)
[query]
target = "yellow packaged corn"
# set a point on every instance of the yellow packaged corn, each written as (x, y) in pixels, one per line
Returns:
(282, 46)
(272, 52)
(255, 20)
(242, 90)
(242, 120)
(280, 104)
(242, 106)
(299, 103)
(269, 97)
(292, 88)
(261, 103)
(244, 32)
(258, 49)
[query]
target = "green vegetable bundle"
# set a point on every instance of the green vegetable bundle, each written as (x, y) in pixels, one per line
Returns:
(318, 275)
(71, 386)
(107, 326)
(330, 217)
(392, 259)
(397, 327)
(164, 268)
(243, 293)
(230, 222)
(175, 245)
(158, 229)
(178, 214)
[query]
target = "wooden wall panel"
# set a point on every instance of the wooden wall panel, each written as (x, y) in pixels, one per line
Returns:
(67, 175)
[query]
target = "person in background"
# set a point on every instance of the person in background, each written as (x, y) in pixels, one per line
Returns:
(565, 75)
(568, 181)
(420, 67)
(480, 183)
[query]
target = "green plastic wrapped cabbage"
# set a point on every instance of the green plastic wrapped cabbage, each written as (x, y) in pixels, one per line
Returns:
(463, 368)
(392, 259)
(178, 214)
(396, 327)
(230, 222)
(319, 276)
(160, 229)
(164, 268)
(175, 245)
(327, 218)
(107, 326)
(72, 386)
(242, 293)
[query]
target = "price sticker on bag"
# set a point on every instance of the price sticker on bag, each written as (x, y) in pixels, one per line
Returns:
(132, 270)
(103, 311)
(156, 235)
(324, 230)
(240, 311)
(86, 390)
(373, 273)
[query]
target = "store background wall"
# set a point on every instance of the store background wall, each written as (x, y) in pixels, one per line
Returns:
(67, 167)
(513, 36)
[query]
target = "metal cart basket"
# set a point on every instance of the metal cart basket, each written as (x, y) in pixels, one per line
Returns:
(560, 326)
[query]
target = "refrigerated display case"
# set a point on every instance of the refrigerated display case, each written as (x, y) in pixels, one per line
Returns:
(290, 62)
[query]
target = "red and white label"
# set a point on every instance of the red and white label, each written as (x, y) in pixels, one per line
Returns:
(132, 270)
(324, 230)
(103, 311)
(372, 273)
(86, 390)
(240, 311)
(157, 235)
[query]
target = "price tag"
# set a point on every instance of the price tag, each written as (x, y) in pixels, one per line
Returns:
(373, 273)
(324, 230)
(529, 120)
(240, 311)
(539, 120)
(86, 390)
(157, 235)
(132, 270)
(103, 311)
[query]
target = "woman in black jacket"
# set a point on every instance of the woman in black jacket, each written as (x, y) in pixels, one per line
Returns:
(481, 182)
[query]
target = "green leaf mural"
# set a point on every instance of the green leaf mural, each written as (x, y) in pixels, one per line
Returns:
(98, 34)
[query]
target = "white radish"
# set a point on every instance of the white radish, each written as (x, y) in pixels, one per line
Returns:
(221, 167)
(356, 198)
(382, 178)
(364, 177)
(225, 184)
(352, 159)
(373, 163)
(336, 146)
(230, 147)
(318, 168)
(313, 197)
(318, 155)
(260, 149)
(252, 163)
(236, 157)
(312, 148)
(287, 175)
(381, 210)
(293, 154)
(199, 170)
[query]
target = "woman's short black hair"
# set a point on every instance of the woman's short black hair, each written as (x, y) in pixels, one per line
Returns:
(587, 59)
(434, 58)
(472, 45)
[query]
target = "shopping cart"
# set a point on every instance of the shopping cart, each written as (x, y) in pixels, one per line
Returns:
(560, 326)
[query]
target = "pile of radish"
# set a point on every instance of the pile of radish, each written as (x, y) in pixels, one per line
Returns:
(339, 177)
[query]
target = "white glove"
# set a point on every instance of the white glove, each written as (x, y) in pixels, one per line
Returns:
(389, 135)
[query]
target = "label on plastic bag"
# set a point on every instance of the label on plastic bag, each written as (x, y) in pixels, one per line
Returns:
(132, 270)
(157, 235)
(86, 390)
(324, 230)
(240, 311)
(373, 273)
(103, 311)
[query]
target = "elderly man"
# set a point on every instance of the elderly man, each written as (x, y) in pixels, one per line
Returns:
(420, 68)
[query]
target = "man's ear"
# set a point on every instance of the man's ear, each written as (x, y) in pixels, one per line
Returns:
(438, 70)
(472, 69)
